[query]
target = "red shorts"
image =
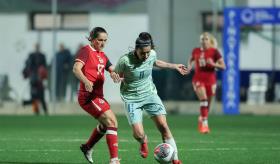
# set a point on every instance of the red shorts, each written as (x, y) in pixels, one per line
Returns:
(210, 88)
(94, 105)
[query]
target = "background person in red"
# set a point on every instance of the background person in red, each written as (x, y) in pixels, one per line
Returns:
(89, 69)
(207, 59)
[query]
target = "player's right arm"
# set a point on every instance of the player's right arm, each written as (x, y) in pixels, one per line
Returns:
(77, 70)
(120, 67)
(190, 62)
(80, 61)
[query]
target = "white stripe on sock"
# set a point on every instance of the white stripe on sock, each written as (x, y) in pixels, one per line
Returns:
(111, 132)
(204, 103)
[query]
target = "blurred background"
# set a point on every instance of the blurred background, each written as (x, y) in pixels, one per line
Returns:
(59, 27)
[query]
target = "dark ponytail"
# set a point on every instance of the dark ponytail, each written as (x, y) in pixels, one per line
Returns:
(95, 32)
(144, 39)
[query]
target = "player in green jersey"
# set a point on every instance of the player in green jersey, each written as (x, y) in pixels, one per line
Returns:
(139, 92)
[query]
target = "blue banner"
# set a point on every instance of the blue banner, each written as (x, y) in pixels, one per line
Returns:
(233, 19)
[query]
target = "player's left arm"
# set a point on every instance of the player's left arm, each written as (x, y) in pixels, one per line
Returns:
(219, 63)
(179, 67)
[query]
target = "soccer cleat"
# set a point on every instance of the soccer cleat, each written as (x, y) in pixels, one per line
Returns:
(115, 161)
(204, 130)
(87, 152)
(176, 162)
(144, 148)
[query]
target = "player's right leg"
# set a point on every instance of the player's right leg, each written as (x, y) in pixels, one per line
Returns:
(200, 91)
(134, 116)
(139, 135)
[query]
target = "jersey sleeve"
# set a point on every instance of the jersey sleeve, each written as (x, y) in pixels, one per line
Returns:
(217, 55)
(120, 66)
(108, 64)
(82, 56)
(155, 55)
(193, 53)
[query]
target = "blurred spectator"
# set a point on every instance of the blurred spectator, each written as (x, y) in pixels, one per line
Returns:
(35, 70)
(63, 69)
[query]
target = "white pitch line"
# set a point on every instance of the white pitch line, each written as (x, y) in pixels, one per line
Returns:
(125, 150)
(46, 150)
(80, 140)
(234, 149)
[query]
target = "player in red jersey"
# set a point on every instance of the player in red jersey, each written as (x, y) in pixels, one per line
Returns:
(89, 69)
(206, 59)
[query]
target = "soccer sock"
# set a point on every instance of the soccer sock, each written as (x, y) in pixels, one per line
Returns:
(171, 141)
(96, 135)
(204, 109)
(142, 140)
(112, 142)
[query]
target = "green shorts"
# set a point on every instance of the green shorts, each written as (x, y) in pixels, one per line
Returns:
(152, 105)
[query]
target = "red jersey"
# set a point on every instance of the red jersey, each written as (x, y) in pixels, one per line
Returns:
(94, 64)
(203, 71)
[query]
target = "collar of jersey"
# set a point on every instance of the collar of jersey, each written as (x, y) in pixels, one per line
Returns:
(93, 48)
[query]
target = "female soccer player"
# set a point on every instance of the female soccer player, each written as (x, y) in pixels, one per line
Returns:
(89, 69)
(206, 58)
(139, 92)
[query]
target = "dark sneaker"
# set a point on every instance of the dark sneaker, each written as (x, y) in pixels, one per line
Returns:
(87, 152)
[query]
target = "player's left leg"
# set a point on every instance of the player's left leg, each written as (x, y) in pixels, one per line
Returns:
(99, 108)
(108, 119)
(210, 92)
(161, 123)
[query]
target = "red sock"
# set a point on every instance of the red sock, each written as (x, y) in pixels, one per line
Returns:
(96, 135)
(204, 108)
(112, 141)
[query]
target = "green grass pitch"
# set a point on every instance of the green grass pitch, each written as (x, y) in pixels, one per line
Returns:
(56, 139)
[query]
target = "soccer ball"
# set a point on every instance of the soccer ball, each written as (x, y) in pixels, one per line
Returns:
(164, 153)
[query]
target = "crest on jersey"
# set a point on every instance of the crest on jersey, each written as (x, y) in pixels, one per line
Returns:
(101, 101)
(100, 59)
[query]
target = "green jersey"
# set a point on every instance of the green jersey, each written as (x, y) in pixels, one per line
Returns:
(138, 83)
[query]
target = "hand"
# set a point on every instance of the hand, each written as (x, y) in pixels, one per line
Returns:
(182, 69)
(211, 62)
(116, 77)
(189, 68)
(89, 86)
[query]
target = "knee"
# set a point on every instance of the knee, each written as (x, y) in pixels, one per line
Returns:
(112, 122)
